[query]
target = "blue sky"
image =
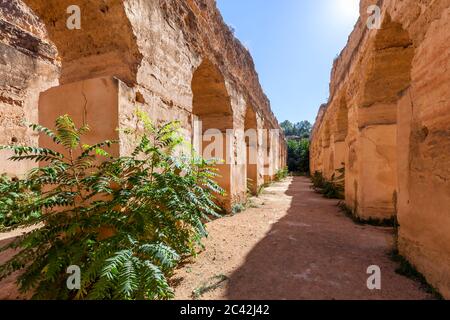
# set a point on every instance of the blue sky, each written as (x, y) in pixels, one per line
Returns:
(293, 43)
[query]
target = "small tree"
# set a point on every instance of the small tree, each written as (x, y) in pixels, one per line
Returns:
(301, 129)
(287, 127)
(125, 221)
(298, 155)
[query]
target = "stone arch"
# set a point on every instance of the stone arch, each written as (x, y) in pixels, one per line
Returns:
(388, 76)
(251, 143)
(105, 45)
(85, 67)
(389, 66)
(213, 122)
(83, 62)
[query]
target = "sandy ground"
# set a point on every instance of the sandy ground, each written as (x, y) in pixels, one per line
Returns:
(294, 244)
(8, 287)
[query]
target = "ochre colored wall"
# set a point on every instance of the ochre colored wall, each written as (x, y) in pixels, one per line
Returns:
(154, 50)
(396, 88)
(28, 66)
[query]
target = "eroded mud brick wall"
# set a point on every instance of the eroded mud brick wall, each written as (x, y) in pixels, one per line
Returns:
(28, 66)
(387, 122)
(176, 60)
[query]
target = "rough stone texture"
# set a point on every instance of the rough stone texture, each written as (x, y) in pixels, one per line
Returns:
(28, 66)
(388, 117)
(88, 102)
(177, 60)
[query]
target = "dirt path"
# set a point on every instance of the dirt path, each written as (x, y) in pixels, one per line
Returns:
(293, 245)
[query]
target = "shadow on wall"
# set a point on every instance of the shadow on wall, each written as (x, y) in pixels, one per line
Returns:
(315, 252)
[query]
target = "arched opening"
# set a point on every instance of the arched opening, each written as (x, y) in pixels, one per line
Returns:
(389, 68)
(57, 69)
(213, 117)
(251, 143)
(387, 76)
(104, 46)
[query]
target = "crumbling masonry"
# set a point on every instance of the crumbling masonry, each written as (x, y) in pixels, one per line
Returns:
(387, 122)
(176, 60)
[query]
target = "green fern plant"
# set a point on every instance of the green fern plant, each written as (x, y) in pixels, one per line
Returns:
(125, 221)
(15, 196)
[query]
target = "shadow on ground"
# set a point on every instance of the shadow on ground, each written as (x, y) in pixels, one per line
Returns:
(315, 252)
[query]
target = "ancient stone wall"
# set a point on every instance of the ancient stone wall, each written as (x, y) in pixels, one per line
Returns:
(176, 60)
(387, 122)
(28, 66)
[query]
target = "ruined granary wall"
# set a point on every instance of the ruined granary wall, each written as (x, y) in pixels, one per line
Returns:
(28, 66)
(174, 59)
(387, 121)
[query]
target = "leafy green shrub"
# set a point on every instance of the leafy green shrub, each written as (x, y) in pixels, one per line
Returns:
(125, 221)
(300, 129)
(281, 174)
(261, 189)
(238, 208)
(332, 189)
(298, 155)
(15, 198)
(318, 180)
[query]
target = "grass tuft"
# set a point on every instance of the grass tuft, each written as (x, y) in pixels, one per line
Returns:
(406, 269)
(391, 223)
(210, 285)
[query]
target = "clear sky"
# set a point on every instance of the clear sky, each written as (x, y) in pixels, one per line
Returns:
(293, 43)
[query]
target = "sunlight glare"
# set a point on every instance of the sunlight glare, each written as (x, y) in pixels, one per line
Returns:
(347, 10)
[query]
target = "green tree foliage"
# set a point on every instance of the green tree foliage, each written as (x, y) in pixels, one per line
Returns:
(125, 221)
(298, 155)
(15, 199)
(298, 145)
(288, 127)
(281, 174)
(301, 129)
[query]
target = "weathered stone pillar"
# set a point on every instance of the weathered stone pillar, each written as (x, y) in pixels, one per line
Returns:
(102, 103)
(340, 150)
(424, 157)
(378, 172)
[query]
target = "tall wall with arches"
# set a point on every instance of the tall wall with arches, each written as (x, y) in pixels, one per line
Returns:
(176, 60)
(387, 122)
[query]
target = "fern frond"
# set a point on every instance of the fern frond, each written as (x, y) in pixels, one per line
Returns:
(67, 132)
(164, 255)
(97, 147)
(126, 221)
(49, 133)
